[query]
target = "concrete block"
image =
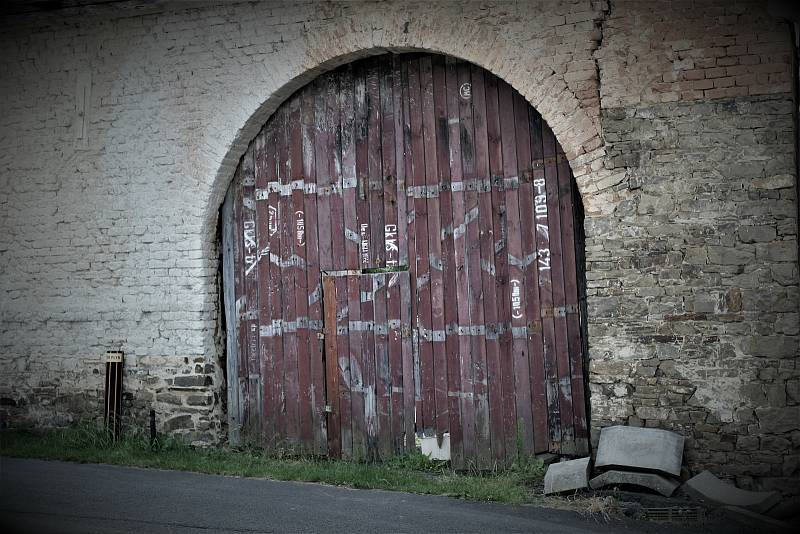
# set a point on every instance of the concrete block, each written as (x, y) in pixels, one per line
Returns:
(652, 481)
(567, 476)
(706, 486)
(641, 448)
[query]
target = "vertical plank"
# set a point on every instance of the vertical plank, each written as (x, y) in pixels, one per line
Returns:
(287, 260)
(334, 165)
(567, 198)
(454, 74)
(392, 259)
(377, 254)
(515, 293)
(500, 245)
(423, 287)
(527, 257)
(331, 365)
(300, 242)
(351, 250)
(321, 142)
(435, 259)
(250, 251)
(573, 344)
(544, 262)
(406, 243)
(442, 91)
(313, 276)
(488, 399)
(231, 319)
(534, 227)
(241, 300)
(265, 173)
(367, 169)
(473, 268)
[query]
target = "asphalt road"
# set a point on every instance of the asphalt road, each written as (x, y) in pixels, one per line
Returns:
(46, 496)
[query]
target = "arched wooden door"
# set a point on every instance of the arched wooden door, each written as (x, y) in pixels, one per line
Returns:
(400, 259)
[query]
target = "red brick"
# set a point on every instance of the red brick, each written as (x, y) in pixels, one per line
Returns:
(728, 81)
(715, 72)
(726, 92)
(697, 74)
(736, 50)
(727, 60)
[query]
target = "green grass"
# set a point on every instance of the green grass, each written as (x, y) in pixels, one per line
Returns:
(413, 473)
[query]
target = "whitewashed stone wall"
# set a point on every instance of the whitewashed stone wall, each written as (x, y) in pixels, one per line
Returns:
(120, 128)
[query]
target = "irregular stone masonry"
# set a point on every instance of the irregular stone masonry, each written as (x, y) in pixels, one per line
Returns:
(122, 126)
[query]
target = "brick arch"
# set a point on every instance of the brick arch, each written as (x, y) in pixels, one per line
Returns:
(325, 48)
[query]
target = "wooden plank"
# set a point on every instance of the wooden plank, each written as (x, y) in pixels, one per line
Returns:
(250, 321)
(391, 259)
(313, 276)
(331, 366)
(515, 292)
(559, 317)
(566, 194)
(264, 173)
(532, 227)
(546, 294)
(241, 301)
(488, 395)
(333, 158)
(404, 230)
(435, 259)
(275, 284)
(473, 268)
(454, 73)
(527, 258)
(423, 286)
(377, 254)
(231, 317)
(500, 245)
(351, 251)
(368, 170)
(321, 136)
(300, 242)
(442, 93)
(290, 114)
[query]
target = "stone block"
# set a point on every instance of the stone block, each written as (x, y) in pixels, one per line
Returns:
(567, 476)
(651, 481)
(757, 234)
(178, 422)
(709, 488)
(640, 448)
(779, 420)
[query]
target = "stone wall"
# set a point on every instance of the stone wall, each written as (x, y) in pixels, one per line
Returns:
(121, 125)
(693, 280)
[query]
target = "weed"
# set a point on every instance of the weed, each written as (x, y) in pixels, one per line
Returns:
(412, 472)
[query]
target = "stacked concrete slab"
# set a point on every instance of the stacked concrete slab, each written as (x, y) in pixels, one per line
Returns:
(643, 457)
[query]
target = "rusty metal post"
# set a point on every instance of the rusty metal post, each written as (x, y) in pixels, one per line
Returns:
(113, 392)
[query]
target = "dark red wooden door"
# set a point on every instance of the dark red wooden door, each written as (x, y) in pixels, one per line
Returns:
(438, 172)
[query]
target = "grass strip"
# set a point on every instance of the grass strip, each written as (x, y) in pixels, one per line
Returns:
(413, 473)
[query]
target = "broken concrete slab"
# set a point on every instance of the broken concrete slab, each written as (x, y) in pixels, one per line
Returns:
(652, 481)
(758, 522)
(641, 448)
(706, 486)
(567, 476)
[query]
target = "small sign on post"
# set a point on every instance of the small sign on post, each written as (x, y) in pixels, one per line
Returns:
(113, 393)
